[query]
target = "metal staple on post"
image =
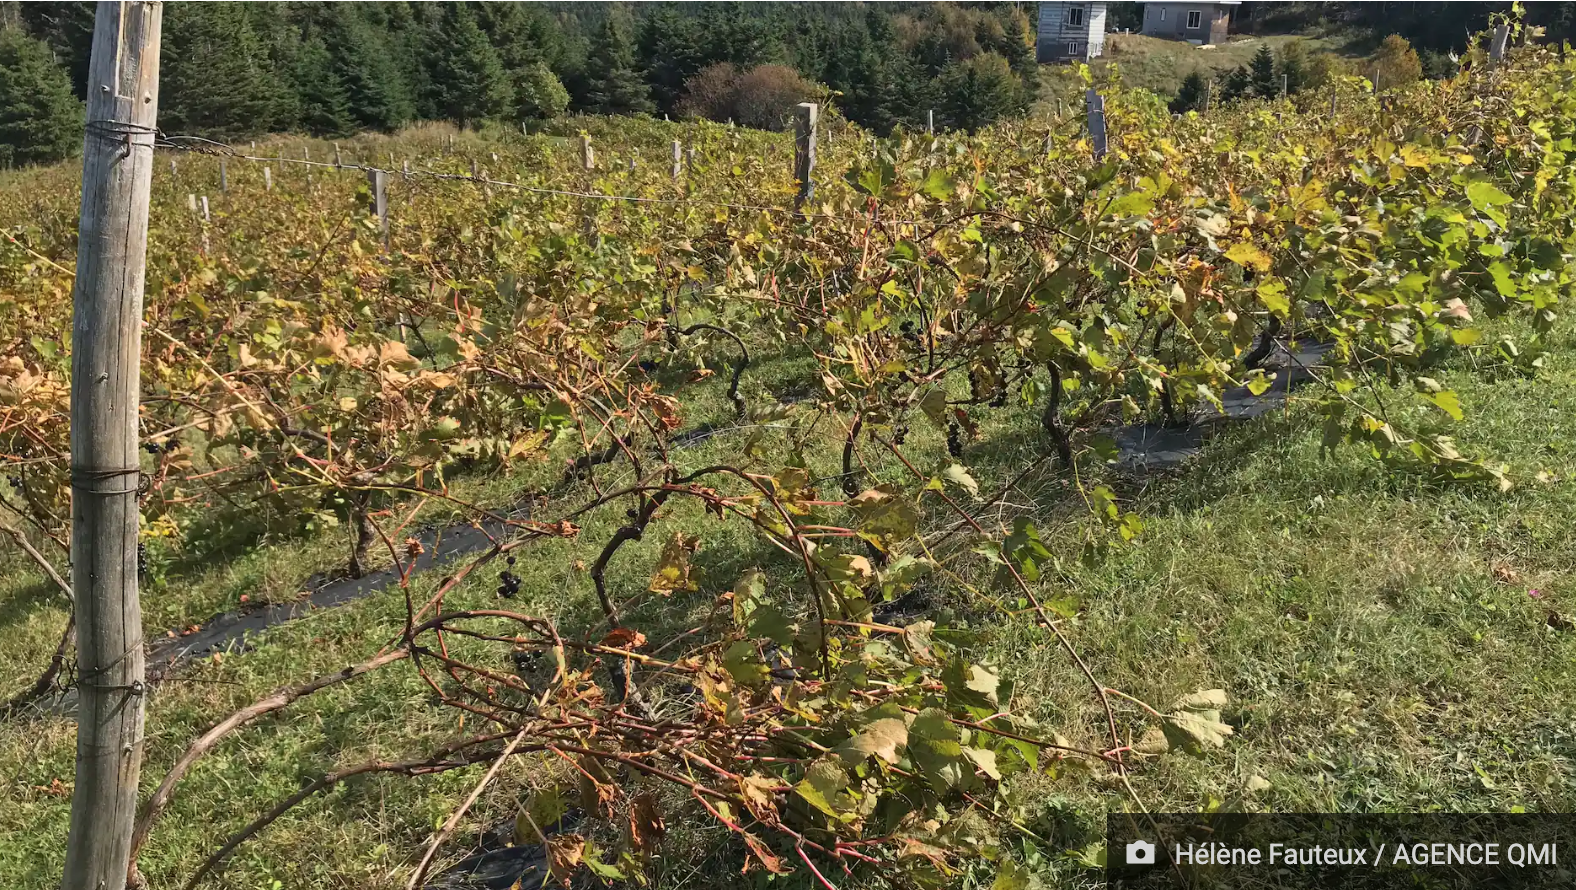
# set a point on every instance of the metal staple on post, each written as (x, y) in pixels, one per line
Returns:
(804, 151)
(1096, 104)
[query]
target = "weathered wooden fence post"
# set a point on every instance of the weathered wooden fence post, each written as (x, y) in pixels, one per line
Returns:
(378, 181)
(1096, 122)
(106, 338)
(268, 180)
(191, 202)
(224, 176)
(804, 151)
(1496, 49)
(587, 213)
(337, 162)
(930, 121)
(205, 217)
(587, 153)
(678, 158)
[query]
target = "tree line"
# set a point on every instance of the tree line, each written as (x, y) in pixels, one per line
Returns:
(231, 70)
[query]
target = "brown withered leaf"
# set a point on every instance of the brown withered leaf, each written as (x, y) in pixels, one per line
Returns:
(764, 856)
(626, 638)
(564, 853)
(667, 411)
(645, 828)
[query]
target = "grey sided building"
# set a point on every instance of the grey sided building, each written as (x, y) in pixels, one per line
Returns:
(1070, 32)
(1194, 22)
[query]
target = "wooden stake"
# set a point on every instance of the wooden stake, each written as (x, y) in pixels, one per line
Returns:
(378, 180)
(1096, 104)
(106, 340)
(191, 202)
(205, 217)
(587, 154)
(337, 162)
(930, 121)
(224, 176)
(268, 180)
(678, 158)
(804, 151)
(1496, 49)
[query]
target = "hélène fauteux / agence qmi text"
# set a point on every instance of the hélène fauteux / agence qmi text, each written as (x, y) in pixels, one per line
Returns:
(1472, 853)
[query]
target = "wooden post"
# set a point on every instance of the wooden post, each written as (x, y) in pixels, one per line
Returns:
(1096, 122)
(191, 202)
(224, 176)
(405, 170)
(172, 165)
(678, 158)
(1333, 94)
(205, 217)
(1496, 49)
(930, 121)
(1209, 89)
(1284, 91)
(268, 180)
(689, 158)
(473, 168)
(804, 151)
(378, 180)
(587, 154)
(337, 162)
(631, 165)
(451, 143)
(495, 157)
(106, 339)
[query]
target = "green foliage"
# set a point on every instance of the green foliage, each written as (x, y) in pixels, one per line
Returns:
(538, 93)
(40, 121)
(1263, 78)
(1396, 63)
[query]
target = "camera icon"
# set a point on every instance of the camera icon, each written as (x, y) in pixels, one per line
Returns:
(1140, 853)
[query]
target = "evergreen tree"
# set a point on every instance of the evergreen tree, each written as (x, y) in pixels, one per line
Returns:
(379, 95)
(671, 50)
(40, 120)
(68, 30)
(613, 85)
(1294, 65)
(1265, 82)
(977, 93)
(324, 101)
(1236, 84)
(466, 78)
(1191, 96)
(215, 78)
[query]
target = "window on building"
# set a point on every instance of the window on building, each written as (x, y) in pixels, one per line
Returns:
(1162, 13)
(1193, 17)
(1075, 16)
(1075, 48)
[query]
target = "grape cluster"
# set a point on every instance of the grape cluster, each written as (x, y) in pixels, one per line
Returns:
(1000, 398)
(910, 334)
(899, 433)
(954, 440)
(16, 481)
(508, 582)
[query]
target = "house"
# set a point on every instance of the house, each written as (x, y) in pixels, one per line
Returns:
(1194, 22)
(1070, 31)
